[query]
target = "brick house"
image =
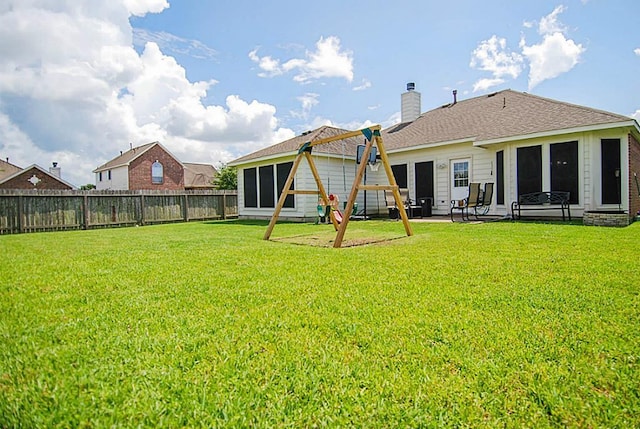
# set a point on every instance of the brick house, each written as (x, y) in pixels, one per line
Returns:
(34, 177)
(150, 166)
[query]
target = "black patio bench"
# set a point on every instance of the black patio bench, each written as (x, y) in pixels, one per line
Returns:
(551, 200)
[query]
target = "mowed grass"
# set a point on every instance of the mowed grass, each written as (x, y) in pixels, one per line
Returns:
(207, 325)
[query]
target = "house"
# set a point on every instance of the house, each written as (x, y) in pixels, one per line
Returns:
(33, 177)
(198, 176)
(150, 166)
(520, 142)
(7, 169)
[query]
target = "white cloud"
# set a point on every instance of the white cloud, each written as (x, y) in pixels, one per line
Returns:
(555, 54)
(485, 84)
(327, 61)
(170, 43)
(549, 24)
(493, 56)
(636, 115)
(552, 57)
(308, 101)
(142, 7)
(637, 51)
(73, 90)
(364, 85)
(270, 66)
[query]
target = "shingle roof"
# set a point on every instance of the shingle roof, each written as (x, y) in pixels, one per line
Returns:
(126, 157)
(7, 169)
(292, 145)
(198, 175)
(495, 116)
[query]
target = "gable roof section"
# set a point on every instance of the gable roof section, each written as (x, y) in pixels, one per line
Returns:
(42, 170)
(290, 147)
(198, 175)
(496, 117)
(8, 169)
(129, 156)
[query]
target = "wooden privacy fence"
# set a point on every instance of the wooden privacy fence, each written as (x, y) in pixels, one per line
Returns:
(32, 211)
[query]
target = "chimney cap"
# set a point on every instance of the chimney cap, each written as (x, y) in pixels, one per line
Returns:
(411, 86)
(55, 164)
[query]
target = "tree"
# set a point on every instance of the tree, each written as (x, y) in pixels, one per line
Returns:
(87, 187)
(226, 178)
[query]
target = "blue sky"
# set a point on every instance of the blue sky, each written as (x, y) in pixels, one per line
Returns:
(213, 80)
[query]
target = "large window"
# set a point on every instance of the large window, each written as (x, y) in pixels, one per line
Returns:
(424, 180)
(610, 170)
(157, 173)
(250, 187)
(260, 185)
(267, 194)
(400, 173)
(564, 169)
(500, 177)
(282, 173)
(529, 166)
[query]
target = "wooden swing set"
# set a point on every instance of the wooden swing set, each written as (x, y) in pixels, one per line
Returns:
(372, 135)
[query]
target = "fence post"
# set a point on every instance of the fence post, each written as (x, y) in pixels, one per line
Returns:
(20, 214)
(85, 210)
(186, 207)
(224, 206)
(141, 208)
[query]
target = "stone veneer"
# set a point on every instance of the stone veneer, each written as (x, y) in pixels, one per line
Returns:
(605, 219)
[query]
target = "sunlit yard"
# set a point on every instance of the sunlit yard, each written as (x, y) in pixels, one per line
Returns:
(207, 325)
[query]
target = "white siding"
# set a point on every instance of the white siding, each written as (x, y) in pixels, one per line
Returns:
(119, 179)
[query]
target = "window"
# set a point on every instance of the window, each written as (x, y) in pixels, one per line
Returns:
(500, 177)
(461, 174)
(282, 173)
(400, 173)
(109, 175)
(424, 180)
(529, 166)
(564, 169)
(157, 173)
(100, 176)
(610, 170)
(250, 187)
(267, 194)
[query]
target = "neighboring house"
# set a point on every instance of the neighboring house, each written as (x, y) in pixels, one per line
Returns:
(149, 166)
(35, 177)
(198, 176)
(7, 169)
(521, 142)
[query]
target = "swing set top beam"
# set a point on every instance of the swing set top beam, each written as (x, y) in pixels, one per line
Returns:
(367, 132)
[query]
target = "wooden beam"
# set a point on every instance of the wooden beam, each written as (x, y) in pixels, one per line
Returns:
(377, 187)
(302, 192)
(342, 136)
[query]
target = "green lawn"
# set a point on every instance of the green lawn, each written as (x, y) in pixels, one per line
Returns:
(207, 325)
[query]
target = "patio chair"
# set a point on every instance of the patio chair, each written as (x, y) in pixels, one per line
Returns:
(410, 208)
(470, 202)
(484, 202)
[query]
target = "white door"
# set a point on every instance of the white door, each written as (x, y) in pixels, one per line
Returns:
(460, 174)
